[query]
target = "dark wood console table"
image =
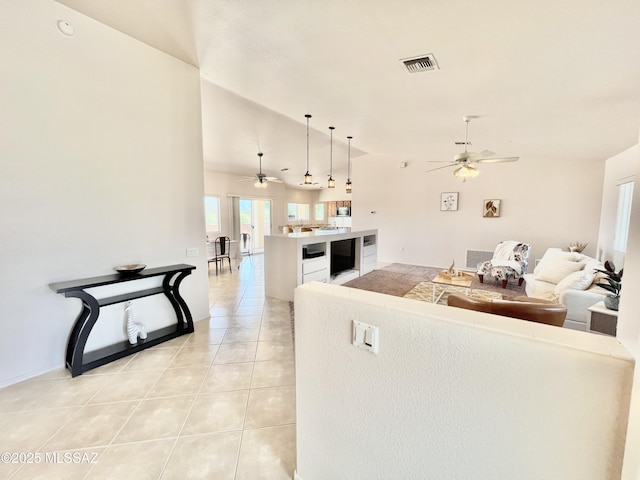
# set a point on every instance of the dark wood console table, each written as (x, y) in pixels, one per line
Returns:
(79, 362)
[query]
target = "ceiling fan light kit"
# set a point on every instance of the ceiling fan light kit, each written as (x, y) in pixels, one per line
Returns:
(464, 161)
(466, 171)
(261, 181)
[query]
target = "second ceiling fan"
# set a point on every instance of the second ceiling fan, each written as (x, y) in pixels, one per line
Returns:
(466, 160)
(260, 178)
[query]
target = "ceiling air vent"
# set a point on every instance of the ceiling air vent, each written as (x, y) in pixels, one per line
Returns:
(423, 63)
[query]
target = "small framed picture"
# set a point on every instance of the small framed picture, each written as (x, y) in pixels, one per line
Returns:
(491, 208)
(449, 201)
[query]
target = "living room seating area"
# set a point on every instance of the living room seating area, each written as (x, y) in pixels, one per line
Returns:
(569, 278)
(566, 279)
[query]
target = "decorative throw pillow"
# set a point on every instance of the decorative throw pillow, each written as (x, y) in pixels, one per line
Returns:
(553, 255)
(580, 280)
(554, 272)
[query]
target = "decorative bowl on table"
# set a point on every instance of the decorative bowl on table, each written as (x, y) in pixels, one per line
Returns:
(130, 269)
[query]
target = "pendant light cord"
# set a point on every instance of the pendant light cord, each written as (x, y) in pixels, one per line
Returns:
(308, 117)
(349, 160)
(331, 153)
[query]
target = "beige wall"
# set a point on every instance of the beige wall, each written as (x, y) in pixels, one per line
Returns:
(225, 185)
(452, 393)
(101, 159)
(545, 204)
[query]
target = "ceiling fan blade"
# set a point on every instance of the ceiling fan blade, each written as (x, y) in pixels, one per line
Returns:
(483, 154)
(497, 159)
(444, 166)
(273, 180)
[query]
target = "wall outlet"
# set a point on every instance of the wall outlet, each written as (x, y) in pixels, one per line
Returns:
(193, 252)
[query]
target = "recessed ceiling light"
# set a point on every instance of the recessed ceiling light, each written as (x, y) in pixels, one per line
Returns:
(66, 28)
(284, 169)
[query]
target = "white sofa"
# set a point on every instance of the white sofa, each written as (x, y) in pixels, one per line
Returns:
(569, 278)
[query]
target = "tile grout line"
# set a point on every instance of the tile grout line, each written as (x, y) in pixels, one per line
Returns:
(184, 422)
(246, 407)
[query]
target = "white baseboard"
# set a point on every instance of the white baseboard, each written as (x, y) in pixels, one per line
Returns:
(26, 376)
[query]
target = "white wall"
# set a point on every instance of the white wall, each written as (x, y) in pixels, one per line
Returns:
(101, 157)
(334, 194)
(621, 167)
(629, 329)
(545, 204)
(225, 185)
(452, 394)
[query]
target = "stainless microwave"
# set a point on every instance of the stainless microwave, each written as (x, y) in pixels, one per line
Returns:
(344, 211)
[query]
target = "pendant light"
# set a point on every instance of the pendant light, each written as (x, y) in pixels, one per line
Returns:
(307, 176)
(332, 182)
(349, 167)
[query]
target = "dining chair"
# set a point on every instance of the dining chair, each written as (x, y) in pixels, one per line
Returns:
(222, 248)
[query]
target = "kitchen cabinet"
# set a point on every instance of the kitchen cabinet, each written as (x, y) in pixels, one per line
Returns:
(332, 207)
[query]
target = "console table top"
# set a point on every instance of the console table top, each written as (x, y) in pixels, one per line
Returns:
(81, 284)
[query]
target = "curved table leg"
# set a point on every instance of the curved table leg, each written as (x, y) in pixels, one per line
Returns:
(172, 292)
(81, 330)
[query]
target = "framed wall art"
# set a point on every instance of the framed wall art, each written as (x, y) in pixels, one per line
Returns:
(449, 201)
(491, 208)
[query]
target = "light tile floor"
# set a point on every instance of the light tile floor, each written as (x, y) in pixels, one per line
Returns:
(216, 404)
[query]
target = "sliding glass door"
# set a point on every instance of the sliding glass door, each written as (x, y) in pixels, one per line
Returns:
(251, 221)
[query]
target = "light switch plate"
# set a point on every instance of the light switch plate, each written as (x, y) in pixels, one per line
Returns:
(365, 336)
(193, 252)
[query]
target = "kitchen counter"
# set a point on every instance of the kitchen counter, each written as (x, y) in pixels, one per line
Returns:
(296, 258)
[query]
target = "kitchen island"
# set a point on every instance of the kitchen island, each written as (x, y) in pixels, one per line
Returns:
(331, 256)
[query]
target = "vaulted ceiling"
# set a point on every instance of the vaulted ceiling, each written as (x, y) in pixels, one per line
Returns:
(552, 80)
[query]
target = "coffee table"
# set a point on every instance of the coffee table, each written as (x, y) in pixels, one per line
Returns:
(463, 279)
(424, 291)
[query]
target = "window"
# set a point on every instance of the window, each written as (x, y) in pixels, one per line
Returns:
(319, 211)
(623, 216)
(298, 211)
(212, 213)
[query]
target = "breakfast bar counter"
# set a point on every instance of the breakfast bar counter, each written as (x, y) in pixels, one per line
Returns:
(331, 256)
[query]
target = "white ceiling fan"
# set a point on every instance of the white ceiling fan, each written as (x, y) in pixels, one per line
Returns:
(260, 178)
(466, 160)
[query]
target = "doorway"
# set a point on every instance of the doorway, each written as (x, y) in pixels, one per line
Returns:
(251, 221)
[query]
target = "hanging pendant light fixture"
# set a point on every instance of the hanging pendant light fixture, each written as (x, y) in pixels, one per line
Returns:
(332, 182)
(348, 189)
(307, 176)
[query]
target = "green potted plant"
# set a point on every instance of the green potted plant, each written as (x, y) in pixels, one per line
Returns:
(612, 282)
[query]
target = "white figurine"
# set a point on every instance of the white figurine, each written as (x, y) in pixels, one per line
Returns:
(134, 330)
